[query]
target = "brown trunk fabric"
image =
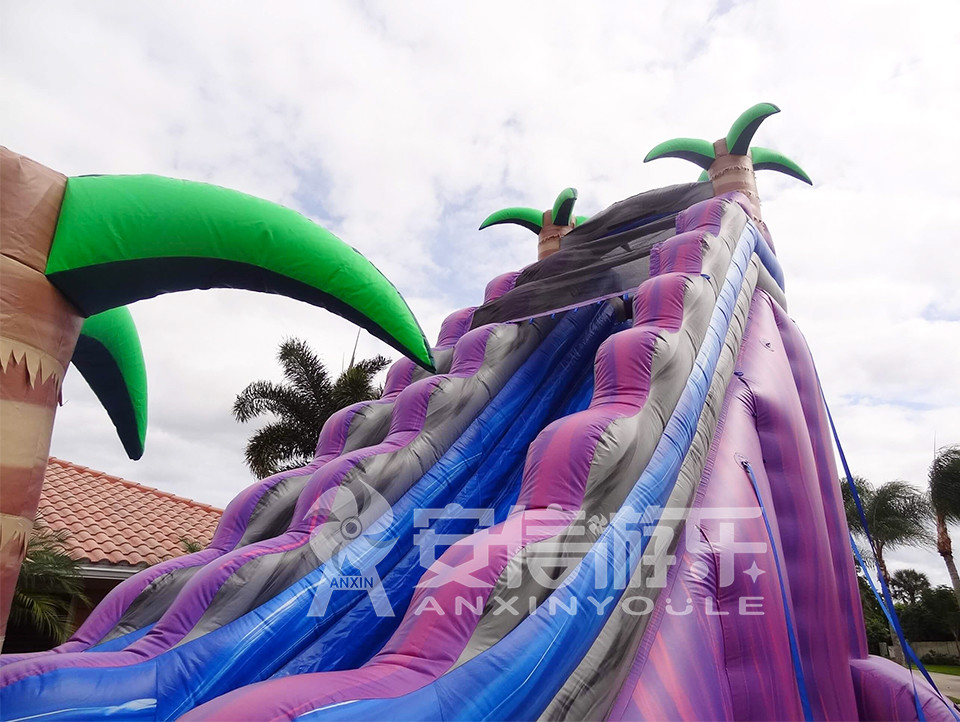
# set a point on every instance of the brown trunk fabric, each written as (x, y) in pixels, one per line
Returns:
(30, 199)
(38, 332)
(548, 241)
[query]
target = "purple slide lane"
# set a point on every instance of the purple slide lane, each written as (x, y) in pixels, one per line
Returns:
(815, 416)
(732, 586)
(751, 675)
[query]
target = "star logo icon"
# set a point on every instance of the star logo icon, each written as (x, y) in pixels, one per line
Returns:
(754, 571)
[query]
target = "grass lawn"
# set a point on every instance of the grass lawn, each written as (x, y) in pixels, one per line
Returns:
(944, 669)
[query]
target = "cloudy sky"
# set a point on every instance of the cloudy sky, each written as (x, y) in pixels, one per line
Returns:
(400, 126)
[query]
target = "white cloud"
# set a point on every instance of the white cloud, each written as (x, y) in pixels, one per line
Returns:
(400, 126)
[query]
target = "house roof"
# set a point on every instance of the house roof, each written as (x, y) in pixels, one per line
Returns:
(114, 521)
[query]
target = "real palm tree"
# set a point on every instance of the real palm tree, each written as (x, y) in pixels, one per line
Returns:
(49, 583)
(944, 478)
(897, 515)
(302, 403)
(908, 585)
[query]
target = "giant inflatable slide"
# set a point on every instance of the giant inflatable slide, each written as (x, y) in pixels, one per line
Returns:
(613, 496)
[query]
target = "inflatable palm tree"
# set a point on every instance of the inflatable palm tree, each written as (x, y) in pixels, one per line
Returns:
(75, 251)
(550, 225)
(729, 163)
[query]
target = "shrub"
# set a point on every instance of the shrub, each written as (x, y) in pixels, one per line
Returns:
(940, 658)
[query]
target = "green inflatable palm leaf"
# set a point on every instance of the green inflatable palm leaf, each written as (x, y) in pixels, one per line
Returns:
(563, 206)
(121, 239)
(692, 149)
(109, 357)
(744, 127)
(766, 159)
(529, 218)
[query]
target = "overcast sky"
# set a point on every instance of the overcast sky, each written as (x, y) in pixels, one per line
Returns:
(400, 126)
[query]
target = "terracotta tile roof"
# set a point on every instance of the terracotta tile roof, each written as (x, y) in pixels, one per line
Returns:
(115, 521)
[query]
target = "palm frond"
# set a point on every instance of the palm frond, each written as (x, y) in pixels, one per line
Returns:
(944, 478)
(766, 159)
(898, 514)
(48, 583)
(47, 613)
(277, 446)
(694, 150)
(372, 366)
(262, 397)
(563, 206)
(303, 370)
(356, 383)
(744, 127)
(47, 566)
(529, 218)
(865, 492)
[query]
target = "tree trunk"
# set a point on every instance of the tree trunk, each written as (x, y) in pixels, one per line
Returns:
(548, 241)
(38, 331)
(729, 173)
(945, 548)
(898, 656)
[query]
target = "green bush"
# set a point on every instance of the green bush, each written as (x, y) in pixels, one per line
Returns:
(940, 658)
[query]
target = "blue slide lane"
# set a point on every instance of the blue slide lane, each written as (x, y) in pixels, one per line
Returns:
(361, 632)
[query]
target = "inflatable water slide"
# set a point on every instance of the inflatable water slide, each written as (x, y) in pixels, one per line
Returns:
(610, 493)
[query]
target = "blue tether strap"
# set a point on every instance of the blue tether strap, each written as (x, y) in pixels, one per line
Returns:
(791, 630)
(886, 601)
